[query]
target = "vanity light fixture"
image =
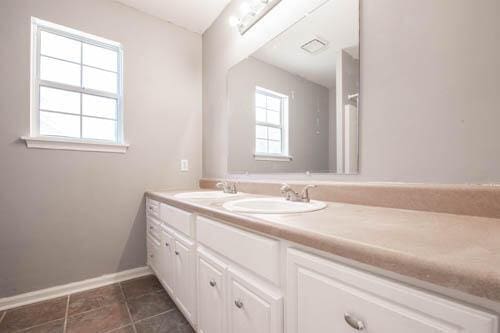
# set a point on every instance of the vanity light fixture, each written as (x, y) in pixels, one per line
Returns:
(250, 13)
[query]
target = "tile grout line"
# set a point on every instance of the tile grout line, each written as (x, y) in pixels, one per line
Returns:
(37, 325)
(128, 309)
(116, 329)
(66, 315)
(3, 316)
(158, 314)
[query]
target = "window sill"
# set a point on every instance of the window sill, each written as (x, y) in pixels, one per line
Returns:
(276, 158)
(69, 144)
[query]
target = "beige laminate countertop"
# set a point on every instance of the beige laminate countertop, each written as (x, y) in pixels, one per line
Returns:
(452, 251)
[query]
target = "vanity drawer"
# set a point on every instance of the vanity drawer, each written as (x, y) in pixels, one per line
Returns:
(177, 218)
(152, 208)
(254, 252)
(324, 296)
(153, 227)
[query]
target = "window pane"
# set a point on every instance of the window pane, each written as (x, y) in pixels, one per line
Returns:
(59, 124)
(59, 71)
(59, 100)
(273, 117)
(261, 115)
(100, 57)
(98, 106)
(60, 47)
(274, 103)
(261, 146)
(275, 147)
(260, 100)
(274, 134)
(101, 129)
(261, 132)
(99, 80)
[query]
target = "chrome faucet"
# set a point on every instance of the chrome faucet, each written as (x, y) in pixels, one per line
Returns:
(291, 195)
(227, 187)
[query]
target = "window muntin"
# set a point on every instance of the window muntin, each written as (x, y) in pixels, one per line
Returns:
(271, 123)
(77, 84)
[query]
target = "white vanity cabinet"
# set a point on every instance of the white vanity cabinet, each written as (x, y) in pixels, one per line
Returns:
(185, 278)
(171, 254)
(153, 242)
(247, 269)
(211, 281)
(252, 306)
(166, 259)
(324, 296)
(153, 250)
(227, 279)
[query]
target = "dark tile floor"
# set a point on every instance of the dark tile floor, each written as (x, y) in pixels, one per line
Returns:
(135, 306)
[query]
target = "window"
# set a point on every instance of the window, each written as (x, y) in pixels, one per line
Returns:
(271, 130)
(76, 86)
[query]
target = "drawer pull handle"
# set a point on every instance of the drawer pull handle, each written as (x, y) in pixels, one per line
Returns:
(353, 322)
(213, 283)
(176, 253)
(166, 244)
(238, 303)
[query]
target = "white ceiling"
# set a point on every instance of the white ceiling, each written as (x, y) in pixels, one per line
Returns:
(194, 15)
(337, 22)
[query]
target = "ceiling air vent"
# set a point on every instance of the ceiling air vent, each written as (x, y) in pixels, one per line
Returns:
(314, 46)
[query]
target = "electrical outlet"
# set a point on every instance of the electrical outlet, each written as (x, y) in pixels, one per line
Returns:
(184, 165)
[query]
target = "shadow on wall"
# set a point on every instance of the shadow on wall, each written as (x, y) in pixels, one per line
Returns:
(130, 256)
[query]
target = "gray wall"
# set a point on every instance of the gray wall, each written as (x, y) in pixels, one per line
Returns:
(67, 216)
(430, 78)
(309, 149)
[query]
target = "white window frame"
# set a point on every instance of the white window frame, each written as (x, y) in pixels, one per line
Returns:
(284, 156)
(35, 140)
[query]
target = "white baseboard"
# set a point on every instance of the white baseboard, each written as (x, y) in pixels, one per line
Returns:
(70, 288)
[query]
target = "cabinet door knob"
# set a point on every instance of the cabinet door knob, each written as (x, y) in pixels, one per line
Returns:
(151, 256)
(213, 283)
(353, 322)
(176, 253)
(151, 228)
(166, 244)
(238, 303)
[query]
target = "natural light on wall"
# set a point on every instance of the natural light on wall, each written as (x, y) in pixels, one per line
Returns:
(76, 88)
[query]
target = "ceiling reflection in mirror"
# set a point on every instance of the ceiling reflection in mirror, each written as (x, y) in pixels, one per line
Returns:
(293, 104)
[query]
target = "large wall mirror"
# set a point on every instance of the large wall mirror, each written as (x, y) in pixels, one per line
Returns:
(293, 104)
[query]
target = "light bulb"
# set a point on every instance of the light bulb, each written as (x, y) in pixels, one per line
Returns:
(234, 21)
(245, 8)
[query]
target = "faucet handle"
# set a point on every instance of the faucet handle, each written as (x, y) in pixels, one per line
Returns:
(234, 189)
(305, 192)
(221, 185)
(285, 188)
(227, 187)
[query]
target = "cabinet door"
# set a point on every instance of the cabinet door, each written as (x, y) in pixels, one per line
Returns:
(185, 283)
(153, 246)
(166, 261)
(211, 293)
(324, 296)
(253, 307)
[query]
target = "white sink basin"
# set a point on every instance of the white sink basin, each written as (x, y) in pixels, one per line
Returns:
(272, 206)
(204, 195)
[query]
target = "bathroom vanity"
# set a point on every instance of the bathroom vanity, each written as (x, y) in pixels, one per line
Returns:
(297, 273)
